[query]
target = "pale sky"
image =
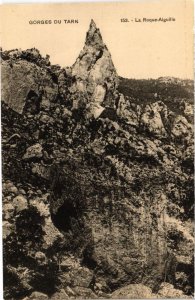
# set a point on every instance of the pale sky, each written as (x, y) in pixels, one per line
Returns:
(138, 49)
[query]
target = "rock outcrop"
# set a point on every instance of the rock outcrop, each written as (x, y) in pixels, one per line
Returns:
(95, 75)
(97, 179)
(29, 84)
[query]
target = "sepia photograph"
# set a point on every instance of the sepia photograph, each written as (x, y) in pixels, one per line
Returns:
(97, 144)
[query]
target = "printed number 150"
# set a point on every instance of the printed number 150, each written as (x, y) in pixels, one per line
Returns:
(124, 20)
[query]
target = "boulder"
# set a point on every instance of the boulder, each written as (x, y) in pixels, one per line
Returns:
(34, 151)
(45, 103)
(20, 203)
(82, 277)
(13, 189)
(133, 291)
(41, 170)
(38, 296)
(40, 258)
(45, 119)
(8, 211)
(8, 228)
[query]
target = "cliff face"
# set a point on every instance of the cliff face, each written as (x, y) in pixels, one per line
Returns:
(101, 173)
(27, 81)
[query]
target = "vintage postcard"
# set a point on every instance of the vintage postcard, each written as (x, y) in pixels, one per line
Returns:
(97, 150)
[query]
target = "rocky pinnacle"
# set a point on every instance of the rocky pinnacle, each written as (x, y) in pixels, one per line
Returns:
(95, 74)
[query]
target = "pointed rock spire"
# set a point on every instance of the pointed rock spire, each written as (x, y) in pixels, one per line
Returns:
(94, 71)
